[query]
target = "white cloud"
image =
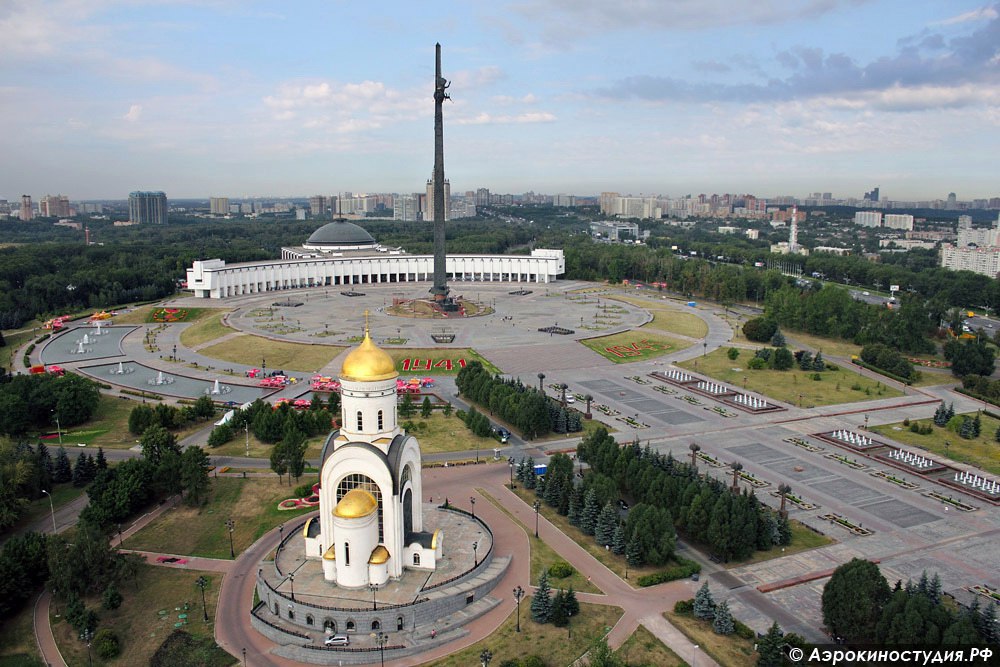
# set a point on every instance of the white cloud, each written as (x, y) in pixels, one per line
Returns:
(134, 113)
(484, 118)
(981, 14)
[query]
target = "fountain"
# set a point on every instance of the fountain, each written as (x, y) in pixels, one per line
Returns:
(217, 389)
(86, 339)
(79, 349)
(121, 370)
(160, 379)
(97, 325)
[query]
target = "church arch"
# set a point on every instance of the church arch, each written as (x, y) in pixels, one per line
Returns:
(309, 619)
(277, 610)
(347, 553)
(330, 624)
(350, 626)
(416, 559)
(376, 625)
(361, 481)
(407, 511)
(399, 624)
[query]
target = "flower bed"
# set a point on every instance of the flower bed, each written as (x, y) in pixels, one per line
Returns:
(722, 411)
(169, 315)
(846, 461)
(611, 412)
(929, 363)
(987, 591)
(799, 442)
(690, 399)
(664, 390)
(948, 500)
(632, 422)
(895, 480)
(637, 379)
(753, 481)
(846, 523)
(710, 460)
(795, 500)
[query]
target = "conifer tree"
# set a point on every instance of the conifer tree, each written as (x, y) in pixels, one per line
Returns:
(80, 471)
(574, 507)
(769, 648)
(100, 461)
(967, 430)
(425, 407)
(818, 363)
(558, 616)
(618, 543)
(633, 552)
(572, 604)
(560, 421)
(704, 605)
(723, 622)
(977, 426)
(607, 521)
(941, 415)
(951, 412)
(588, 520)
(62, 471)
(934, 589)
(541, 603)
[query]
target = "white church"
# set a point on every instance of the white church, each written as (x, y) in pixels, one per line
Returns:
(370, 526)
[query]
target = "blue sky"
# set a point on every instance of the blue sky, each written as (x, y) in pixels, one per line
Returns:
(227, 98)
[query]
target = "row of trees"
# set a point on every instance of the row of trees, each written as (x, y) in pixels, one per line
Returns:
(887, 359)
(556, 609)
(732, 525)
(525, 408)
(30, 402)
(168, 416)
(859, 607)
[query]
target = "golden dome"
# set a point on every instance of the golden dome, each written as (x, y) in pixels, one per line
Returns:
(368, 363)
(355, 504)
(330, 554)
(379, 555)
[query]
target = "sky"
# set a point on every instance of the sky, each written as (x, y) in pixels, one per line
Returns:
(669, 97)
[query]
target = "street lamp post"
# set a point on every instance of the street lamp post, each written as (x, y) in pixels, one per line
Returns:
(381, 639)
(704, 347)
(246, 427)
(569, 625)
(202, 582)
(510, 464)
(537, 505)
(231, 526)
(472, 500)
(518, 594)
(87, 635)
(52, 507)
(291, 583)
(694, 656)
(475, 553)
(374, 589)
(58, 426)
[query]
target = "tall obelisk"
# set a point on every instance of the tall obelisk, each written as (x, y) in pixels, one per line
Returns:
(440, 288)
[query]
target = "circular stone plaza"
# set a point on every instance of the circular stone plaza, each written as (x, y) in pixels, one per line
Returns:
(527, 330)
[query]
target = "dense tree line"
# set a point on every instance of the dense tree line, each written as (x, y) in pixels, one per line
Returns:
(168, 416)
(970, 357)
(859, 607)
(887, 359)
(524, 408)
(34, 401)
(704, 509)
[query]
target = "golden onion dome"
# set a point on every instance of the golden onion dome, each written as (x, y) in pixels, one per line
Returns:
(355, 504)
(368, 363)
(379, 555)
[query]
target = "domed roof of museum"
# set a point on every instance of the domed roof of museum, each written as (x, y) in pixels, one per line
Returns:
(341, 233)
(355, 504)
(368, 363)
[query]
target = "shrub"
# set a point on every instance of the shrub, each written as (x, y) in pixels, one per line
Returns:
(756, 364)
(533, 661)
(561, 569)
(915, 428)
(742, 630)
(906, 421)
(682, 569)
(817, 377)
(303, 490)
(684, 607)
(732, 353)
(759, 329)
(106, 643)
(511, 662)
(111, 599)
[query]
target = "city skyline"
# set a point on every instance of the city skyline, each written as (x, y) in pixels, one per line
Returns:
(103, 98)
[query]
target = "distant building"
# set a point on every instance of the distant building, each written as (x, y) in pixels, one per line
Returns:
(54, 206)
(317, 206)
(147, 207)
(832, 250)
(218, 205)
(753, 234)
(898, 221)
(564, 200)
(868, 218)
(965, 222)
(429, 207)
(873, 195)
(612, 230)
(482, 197)
(984, 261)
(27, 210)
(406, 207)
(728, 230)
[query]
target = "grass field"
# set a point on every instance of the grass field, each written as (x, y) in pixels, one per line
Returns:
(259, 450)
(138, 315)
(630, 346)
(431, 361)
(543, 557)
(613, 562)
(13, 341)
(251, 350)
(553, 644)
(803, 539)
(17, 639)
(671, 320)
(837, 347)
(139, 626)
(207, 327)
(788, 386)
(109, 427)
(644, 648)
(40, 508)
(439, 434)
(251, 503)
(727, 650)
(983, 451)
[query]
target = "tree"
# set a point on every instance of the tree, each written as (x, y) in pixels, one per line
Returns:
(591, 509)
(778, 339)
(203, 408)
(406, 407)
(541, 603)
(100, 462)
(704, 605)
(759, 329)
(279, 460)
(425, 407)
(220, 435)
(853, 600)
(618, 543)
(156, 441)
(194, 475)
(601, 655)
(769, 652)
(607, 522)
(782, 359)
(723, 621)
(559, 616)
(111, 598)
(295, 446)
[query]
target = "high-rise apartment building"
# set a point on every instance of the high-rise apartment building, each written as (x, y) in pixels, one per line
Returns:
(482, 197)
(27, 210)
(54, 206)
(317, 206)
(868, 218)
(406, 207)
(147, 207)
(873, 195)
(429, 207)
(564, 200)
(218, 205)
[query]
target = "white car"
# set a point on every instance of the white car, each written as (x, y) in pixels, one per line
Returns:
(337, 640)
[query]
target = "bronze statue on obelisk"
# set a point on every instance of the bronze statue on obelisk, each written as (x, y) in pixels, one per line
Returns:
(440, 288)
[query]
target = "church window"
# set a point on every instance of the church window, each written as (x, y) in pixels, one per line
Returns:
(330, 624)
(291, 612)
(376, 625)
(361, 421)
(347, 553)
(361, 481)
(350, 626)
(380, 420)
(405, 477)
(277, 612)
(309, 619)
(399, 623)
(416, 559)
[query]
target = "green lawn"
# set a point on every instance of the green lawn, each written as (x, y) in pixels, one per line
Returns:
(439, 434)
(17, 639)
(252, 350)
(727, 650)
(260, 450)
(207, 327)
(838, 347)
(554, 645)
(644, 648)
(108, 428)
(140, 628)
(251, 503)
(670, 320)
(788, 386)
(983, 451)
(13, 341)
(543, 556)
(630, 346)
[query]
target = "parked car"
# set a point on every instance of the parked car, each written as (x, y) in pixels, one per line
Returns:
(337, 640)
(502, 433)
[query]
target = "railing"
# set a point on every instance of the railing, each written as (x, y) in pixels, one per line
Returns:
(276, 627)
(310, 605)
(484, 561)
(348, 649)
